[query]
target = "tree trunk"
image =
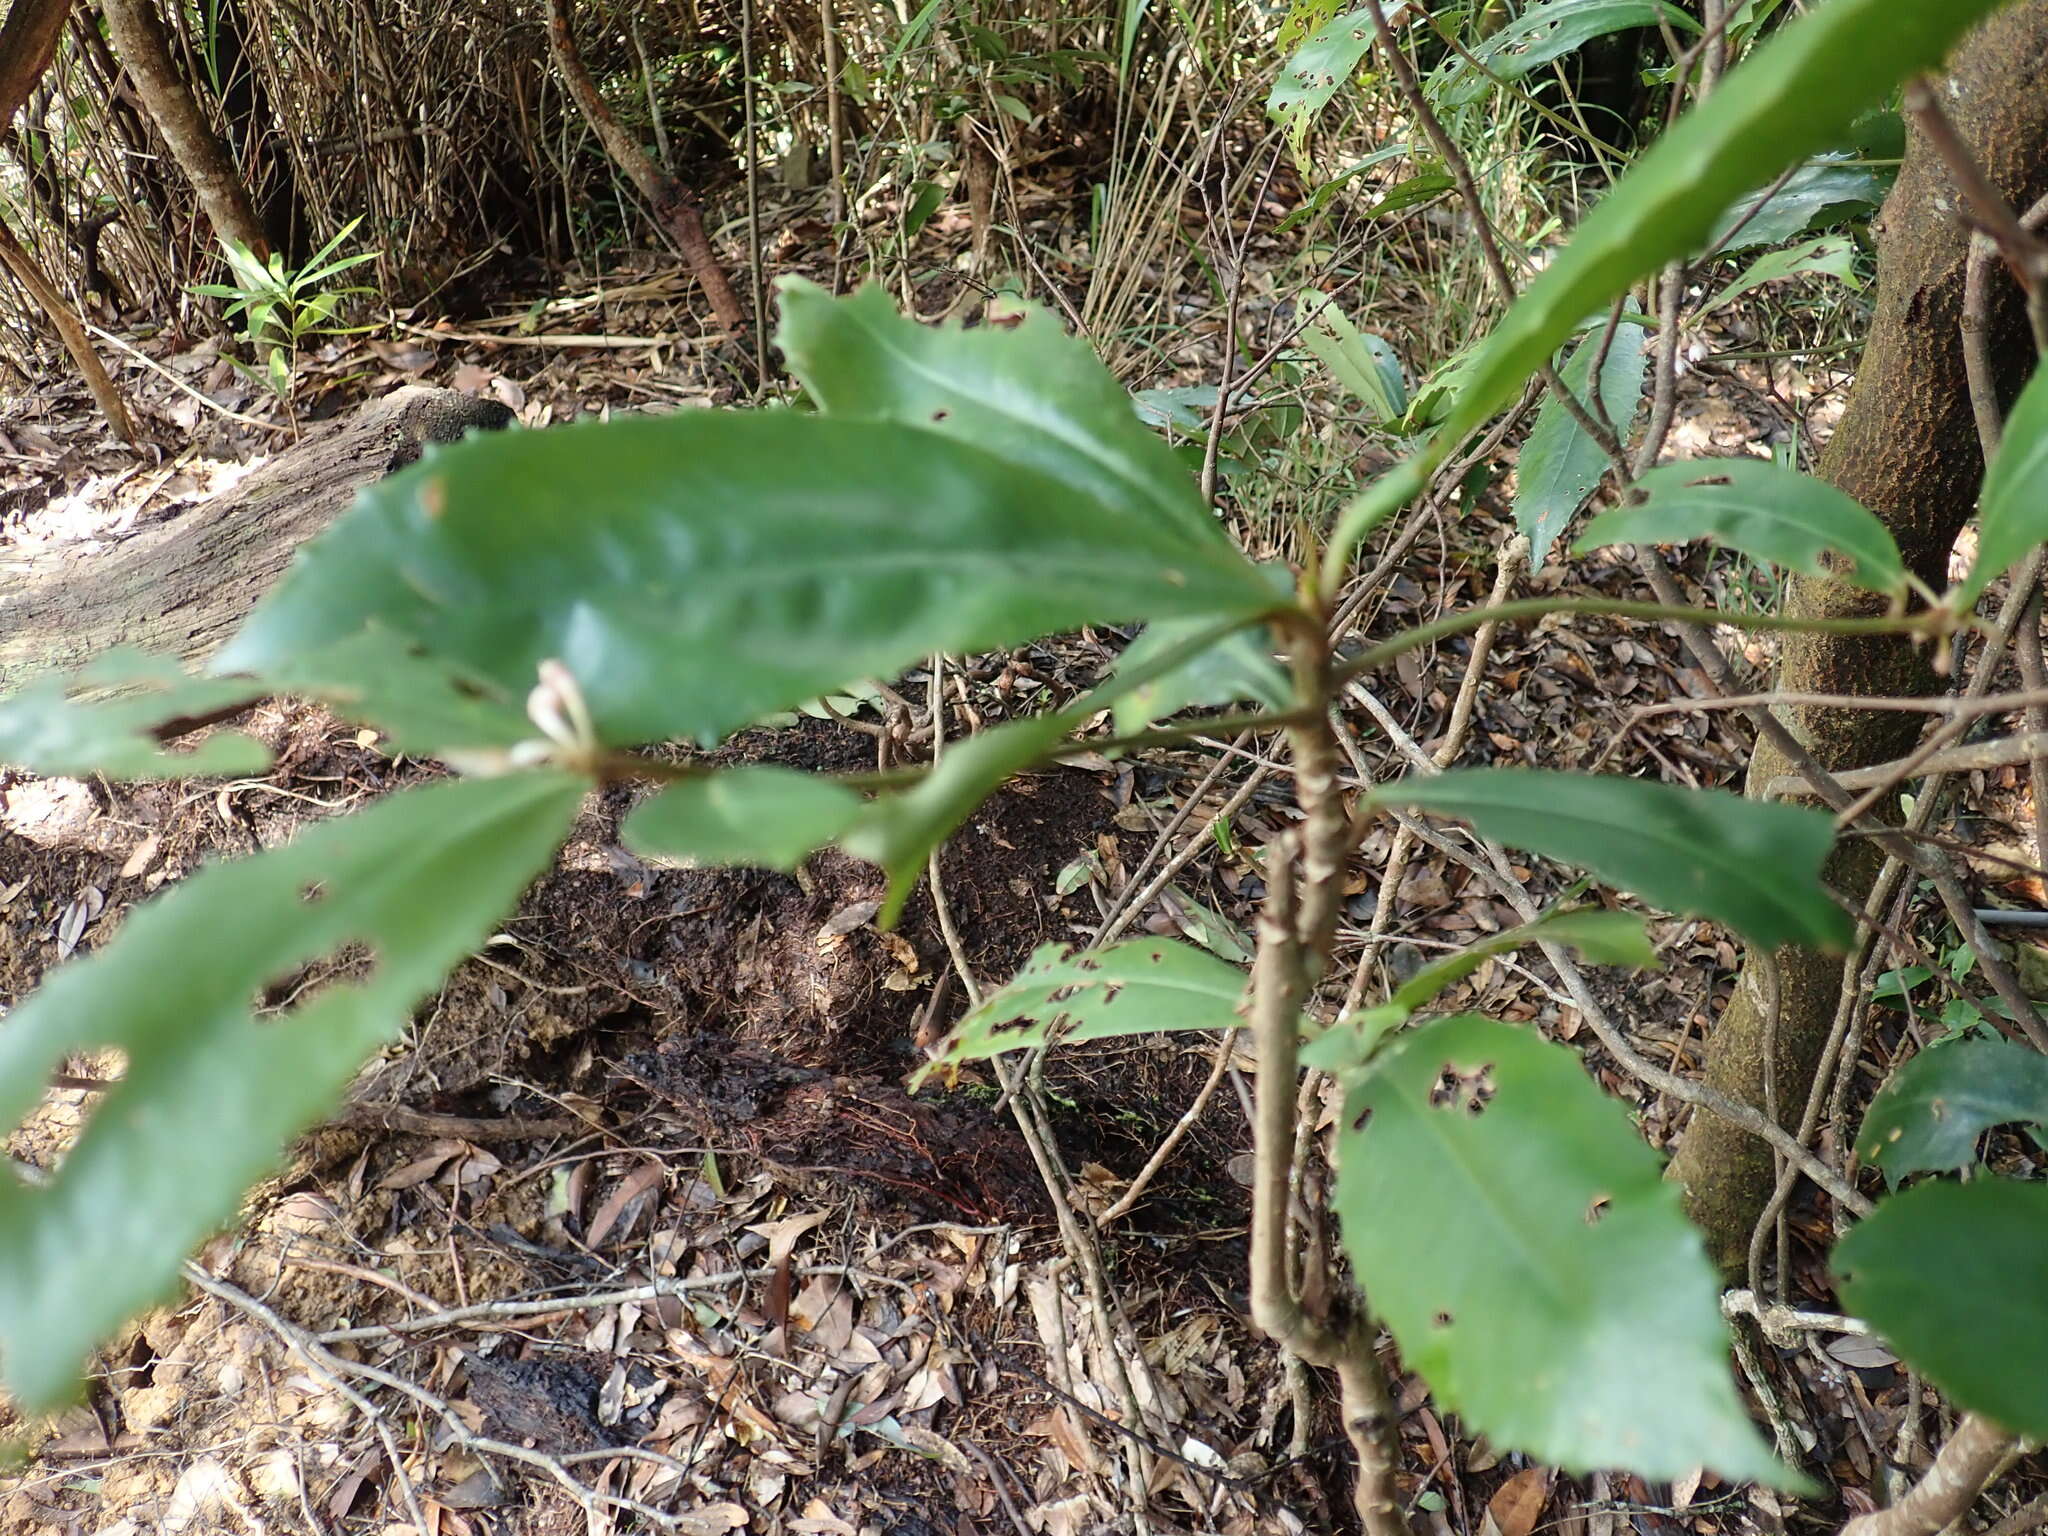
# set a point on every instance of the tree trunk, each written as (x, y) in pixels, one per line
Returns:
(28, 41)
(18, 261)
(675, 206)
(1906, 448)
(145, 52)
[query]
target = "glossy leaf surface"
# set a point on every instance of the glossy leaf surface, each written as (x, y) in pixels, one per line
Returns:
(697, 571)
(1929, 1116)
(1762, 509)
(1549, 30)
(1026, 393)
(1566, 1308)
(385, 901)
(1824, 191)
(1753, 865)
(1956, 1278)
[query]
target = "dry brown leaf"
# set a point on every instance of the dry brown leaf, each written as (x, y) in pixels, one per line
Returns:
(1518, 1503)
(635, 1186)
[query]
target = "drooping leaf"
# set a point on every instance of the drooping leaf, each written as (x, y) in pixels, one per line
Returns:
(99, 719)
(1543, 32)
(1752, 865)
(1929, 1116)
(1513, 1230)
(1600, 937)
(697, 571)
(1028, 394)
(1763, 509)
(754, 817)
(1239, 668)
(1956, 1278)
(1136, 988)
(2012, 514)
(1795, 95)
(1820, 194)
(1364, 365)
(392, 897)
(1825, 256)
(1560, 463)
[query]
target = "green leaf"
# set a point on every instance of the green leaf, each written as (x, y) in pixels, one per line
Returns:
(1929, 1116)
(383, 902)
(697, 571)
(1028, 394)
(1560, 463)
(757, 817)
(1600, 937)
(1514, 1232)
(899, 831)
(1136, 988)
(1763, 509)
(1956, 1278)
(1544, 32)
(2012, 514)
(1824, 192)
(1237, 668)
(1752, 865)
(68, 724)
(1825, 255)
(1794, 95)
(1316, 72)
(1365, 365)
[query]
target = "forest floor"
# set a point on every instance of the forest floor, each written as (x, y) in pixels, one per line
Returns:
(443, 1312)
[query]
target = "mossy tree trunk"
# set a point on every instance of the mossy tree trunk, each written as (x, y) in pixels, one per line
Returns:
(1906, 448)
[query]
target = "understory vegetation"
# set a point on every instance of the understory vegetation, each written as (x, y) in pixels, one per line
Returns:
(1199, 766)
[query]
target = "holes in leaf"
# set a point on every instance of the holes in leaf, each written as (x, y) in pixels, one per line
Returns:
(311, 893)
(1467, 1091)
(1361, 1120)
(1442, 1319)
(1016, 1024)
(941, 414)
(294, 988)
(1597, 1210)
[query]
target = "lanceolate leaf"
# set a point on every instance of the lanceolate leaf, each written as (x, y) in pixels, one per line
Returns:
(1795, 95)
(1930, 1115)
(1828, 190)
(1753, 865)
(1028, 394)
(1828, 255)
(1956, 1278)
(1514, 1232)
(1364, 365)
(1136, 988)
(1560, 462)
(386, 901)
(1764, 510)
(760, 817)
(67, 725)
(2012, 515)
(1317, 70)
(698, 571)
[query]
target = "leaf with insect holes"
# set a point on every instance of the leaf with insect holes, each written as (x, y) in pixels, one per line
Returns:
(1561, 463)
(1026, 394)
(1753, 865)
(381, 904)
(1140, 987)
(1929, 1116)
(1543, 32)
(2012, 514)
(1764, 510)
(1517, 1236)
(100, 719)
(1955, 1276)
(697, 571)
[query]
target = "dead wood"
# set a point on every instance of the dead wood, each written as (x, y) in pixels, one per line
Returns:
(182, 585)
